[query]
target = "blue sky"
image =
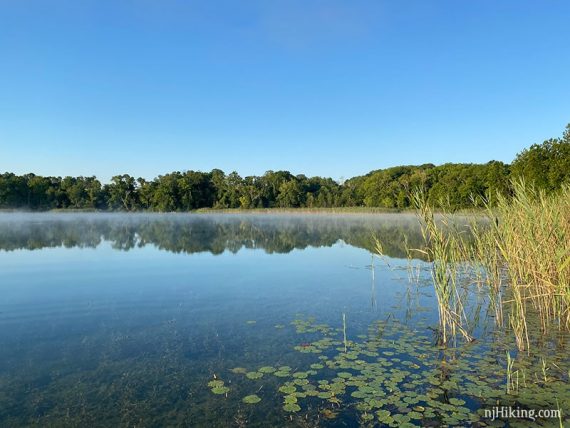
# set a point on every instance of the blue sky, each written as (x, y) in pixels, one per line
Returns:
(332, 88)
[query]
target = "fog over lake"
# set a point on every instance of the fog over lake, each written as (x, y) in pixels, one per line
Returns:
(165, 319)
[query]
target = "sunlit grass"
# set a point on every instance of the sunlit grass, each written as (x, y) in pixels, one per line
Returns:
(520, 256)
(531, 238)
(444, 248)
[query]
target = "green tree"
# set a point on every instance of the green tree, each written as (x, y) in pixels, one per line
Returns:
(547, 165)
(290, 194)
(122, 193)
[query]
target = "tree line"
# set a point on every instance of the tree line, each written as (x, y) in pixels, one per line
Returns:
(546, 165)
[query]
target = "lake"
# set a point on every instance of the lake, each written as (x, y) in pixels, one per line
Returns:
(222, 320)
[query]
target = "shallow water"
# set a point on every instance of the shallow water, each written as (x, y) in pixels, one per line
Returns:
(123, 320)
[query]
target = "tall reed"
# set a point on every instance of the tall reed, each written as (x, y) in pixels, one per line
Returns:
(445, 250)
(529, 239)
(519, 256)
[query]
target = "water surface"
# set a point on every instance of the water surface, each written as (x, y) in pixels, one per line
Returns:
(123, 320)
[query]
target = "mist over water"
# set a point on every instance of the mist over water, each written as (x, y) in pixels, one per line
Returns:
(91, 298)
(123, 319)
(279, 232)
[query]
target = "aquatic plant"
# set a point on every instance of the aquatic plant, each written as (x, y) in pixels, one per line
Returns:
(397, 376)
(519, 256)
(251, 399)
(526, 251)
(344, 331)
(444, 248)
(510, 363)
(218, 387)
(254, 375)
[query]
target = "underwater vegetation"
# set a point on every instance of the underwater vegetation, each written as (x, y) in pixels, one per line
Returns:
(511, 268)
(189, 353)
(397, 375)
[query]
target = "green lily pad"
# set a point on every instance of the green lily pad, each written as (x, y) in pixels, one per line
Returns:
(219, 390)
(290, 399)
(384, 416)
(254, 375)
(291, 407)
(251, 399)
(216, 383)
(325, 395)
(287, 389)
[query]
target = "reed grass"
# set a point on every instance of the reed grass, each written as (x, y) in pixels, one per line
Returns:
(344, 332)
(531, 238)
(520, 256)
(513, 376)
(444, 248)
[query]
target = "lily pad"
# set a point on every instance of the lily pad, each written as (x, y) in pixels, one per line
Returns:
(291, 407)
(219, 390)
(325, 395)
(291, 398)
(251, 399)
(254, 375)
(286, 389)
(216, 383)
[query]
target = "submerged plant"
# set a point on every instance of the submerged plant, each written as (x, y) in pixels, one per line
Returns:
(397, 376)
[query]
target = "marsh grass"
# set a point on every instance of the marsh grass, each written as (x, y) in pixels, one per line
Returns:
(530, 238)
(519, 256)
(445, 249)
(344, 332)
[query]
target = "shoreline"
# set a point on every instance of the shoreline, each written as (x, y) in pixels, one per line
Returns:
(237, 211)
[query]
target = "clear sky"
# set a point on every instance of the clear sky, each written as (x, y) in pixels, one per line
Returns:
(332, 88)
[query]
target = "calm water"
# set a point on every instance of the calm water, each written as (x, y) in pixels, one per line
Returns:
(124, 320)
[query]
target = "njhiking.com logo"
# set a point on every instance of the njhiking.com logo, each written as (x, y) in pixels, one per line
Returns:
(509, 412)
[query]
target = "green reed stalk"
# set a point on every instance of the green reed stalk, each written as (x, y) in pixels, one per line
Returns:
(444, 250)
(344, 331)
(529, 242)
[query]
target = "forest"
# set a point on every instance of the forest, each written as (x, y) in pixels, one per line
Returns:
(455, 186)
